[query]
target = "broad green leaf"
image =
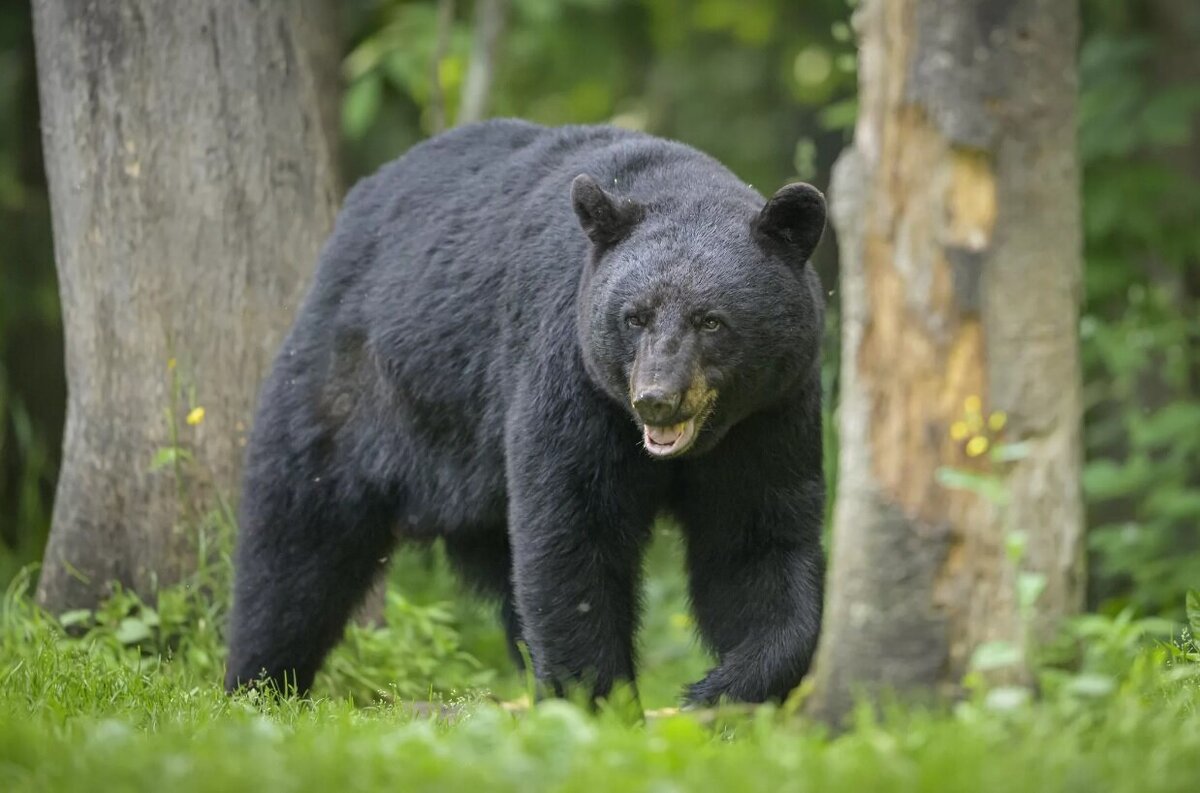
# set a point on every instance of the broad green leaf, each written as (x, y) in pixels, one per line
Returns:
(361, 105)
(1006, 698)
(1010, 452)
(1156, 626)
(995, 655)
(1168, 115)
(74, 617)
(989, 487)
(839, 115)
(1106, 479)
(169, 455)
(132, 630)
(1029, 588)
(1174, 503)
(1091, 685)
(1167, 424)
(1015, 543)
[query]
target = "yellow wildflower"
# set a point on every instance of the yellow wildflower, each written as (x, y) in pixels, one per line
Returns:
(977, 446)
(973, 404)
(195, 416)
(959, 430)
(170, 364)
(997, 420)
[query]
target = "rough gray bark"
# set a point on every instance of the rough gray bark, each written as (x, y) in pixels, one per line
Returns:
(477, 89)
(957, 212)
(191, 162)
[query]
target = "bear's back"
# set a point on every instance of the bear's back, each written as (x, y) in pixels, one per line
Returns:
(451, 278)
(460, 260)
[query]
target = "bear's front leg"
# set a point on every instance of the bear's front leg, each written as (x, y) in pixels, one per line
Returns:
(578, 527)
(751, 515)
(760, 609)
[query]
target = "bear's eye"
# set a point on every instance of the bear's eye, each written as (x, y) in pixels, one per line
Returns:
(710, 324)
(635, 320)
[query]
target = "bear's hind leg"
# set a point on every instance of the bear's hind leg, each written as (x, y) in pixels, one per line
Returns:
(309, 549)
(483, 559)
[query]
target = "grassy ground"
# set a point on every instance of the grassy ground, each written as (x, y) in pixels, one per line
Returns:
(135, 705)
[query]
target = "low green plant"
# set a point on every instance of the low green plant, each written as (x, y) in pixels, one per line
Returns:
(415, 654)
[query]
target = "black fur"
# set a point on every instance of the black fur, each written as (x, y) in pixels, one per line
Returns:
(465, 366)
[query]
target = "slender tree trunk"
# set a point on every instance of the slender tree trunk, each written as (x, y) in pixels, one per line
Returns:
(957, 212)
(489, 27)
(437, 96)
(190, 157)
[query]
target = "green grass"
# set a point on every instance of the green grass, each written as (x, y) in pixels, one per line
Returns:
(71, 722)
(135, 705)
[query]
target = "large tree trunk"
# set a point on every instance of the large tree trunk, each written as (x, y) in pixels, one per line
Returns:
(191, 162)
(957, 211)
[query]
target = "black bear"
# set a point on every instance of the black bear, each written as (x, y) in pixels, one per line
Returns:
(531, 342)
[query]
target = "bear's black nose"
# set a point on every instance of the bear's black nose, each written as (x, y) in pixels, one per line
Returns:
(657, 406)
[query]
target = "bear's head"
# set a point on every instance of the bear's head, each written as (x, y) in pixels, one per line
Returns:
(697, 311)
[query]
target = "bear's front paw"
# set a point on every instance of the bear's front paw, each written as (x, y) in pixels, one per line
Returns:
(704, 693)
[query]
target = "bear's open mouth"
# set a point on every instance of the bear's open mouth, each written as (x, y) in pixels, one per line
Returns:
(669, 441)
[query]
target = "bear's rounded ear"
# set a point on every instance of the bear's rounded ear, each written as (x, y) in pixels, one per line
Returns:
(795, 218)
(605, 218)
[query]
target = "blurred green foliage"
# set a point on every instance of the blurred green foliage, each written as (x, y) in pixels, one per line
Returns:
(32, 384)
(1140, 152)
(767, 86)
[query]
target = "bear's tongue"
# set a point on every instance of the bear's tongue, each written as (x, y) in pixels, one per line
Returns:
(665, 436)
